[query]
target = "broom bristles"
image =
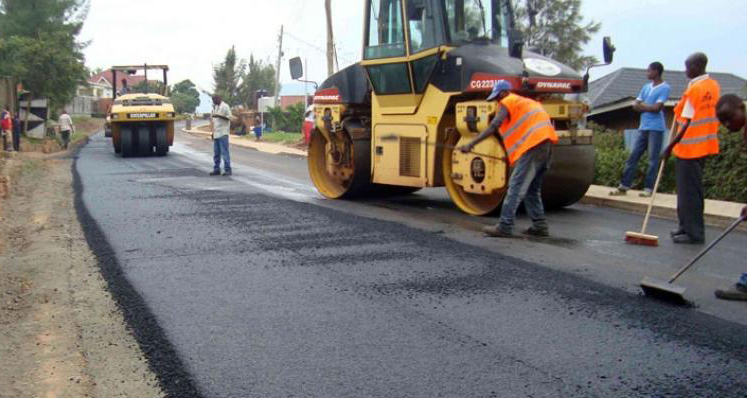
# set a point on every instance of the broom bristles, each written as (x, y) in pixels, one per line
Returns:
(636, 238)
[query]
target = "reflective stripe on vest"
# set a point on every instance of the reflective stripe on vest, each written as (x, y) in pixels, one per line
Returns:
(519, 122)
(526, 136)
(527, 126)
(701, 136)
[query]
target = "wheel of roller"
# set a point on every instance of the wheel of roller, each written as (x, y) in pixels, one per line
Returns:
(144, 146)
(333, 186)
(468, 202)
(570, 176)
(162, 146)
(126, 141)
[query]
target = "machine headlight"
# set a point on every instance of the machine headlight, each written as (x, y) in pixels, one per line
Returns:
(115, 116)
(170, 114)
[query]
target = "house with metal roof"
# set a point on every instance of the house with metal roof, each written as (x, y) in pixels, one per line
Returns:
(611, 97)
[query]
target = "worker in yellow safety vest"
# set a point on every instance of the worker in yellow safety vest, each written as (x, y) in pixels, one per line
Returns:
(527, 134)
(696, 139)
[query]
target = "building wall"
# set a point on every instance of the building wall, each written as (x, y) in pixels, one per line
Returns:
(288, 100)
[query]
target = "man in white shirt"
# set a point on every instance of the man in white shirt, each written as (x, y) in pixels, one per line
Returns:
(221, 119)
(66, 128)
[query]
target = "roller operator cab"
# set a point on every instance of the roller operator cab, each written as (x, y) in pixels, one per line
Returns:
(391, 122)
(141, 124)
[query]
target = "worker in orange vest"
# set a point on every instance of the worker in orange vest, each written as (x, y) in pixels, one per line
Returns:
(527, 134)
(696, 139)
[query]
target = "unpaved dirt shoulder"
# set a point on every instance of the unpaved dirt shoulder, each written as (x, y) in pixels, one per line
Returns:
(60, 329)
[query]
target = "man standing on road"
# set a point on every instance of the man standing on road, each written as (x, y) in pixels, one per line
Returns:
(650, 103)
(66, 128)
(527, 134)
(6, 129)
(731, 113)
(221, 119)
(697, 138)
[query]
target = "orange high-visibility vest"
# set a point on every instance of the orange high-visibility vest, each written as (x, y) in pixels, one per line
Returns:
(527, 126)
(701, 137)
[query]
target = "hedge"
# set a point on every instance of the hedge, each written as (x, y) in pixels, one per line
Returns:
(725, 176)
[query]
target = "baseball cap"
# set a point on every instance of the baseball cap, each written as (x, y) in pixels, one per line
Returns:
(500, 85)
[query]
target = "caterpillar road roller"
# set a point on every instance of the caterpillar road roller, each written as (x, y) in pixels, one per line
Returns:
(141, 124)
(391, 122)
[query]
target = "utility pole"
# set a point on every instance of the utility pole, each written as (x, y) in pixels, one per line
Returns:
(330, 39)
(277, 67)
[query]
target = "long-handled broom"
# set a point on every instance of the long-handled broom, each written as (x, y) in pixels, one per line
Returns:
(666, 290)
(641, 238)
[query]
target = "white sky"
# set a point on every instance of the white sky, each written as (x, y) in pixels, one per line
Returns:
(191, 36)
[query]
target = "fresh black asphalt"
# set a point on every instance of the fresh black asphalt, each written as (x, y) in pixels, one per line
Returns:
(233, 292)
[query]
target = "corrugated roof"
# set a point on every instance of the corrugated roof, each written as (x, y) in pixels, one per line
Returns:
(626, 83)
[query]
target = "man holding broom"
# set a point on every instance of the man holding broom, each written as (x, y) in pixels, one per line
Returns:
(731, 113)
(696, 139)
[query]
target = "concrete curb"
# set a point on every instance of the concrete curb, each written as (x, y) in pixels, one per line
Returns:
(721, 219)
(275, 149)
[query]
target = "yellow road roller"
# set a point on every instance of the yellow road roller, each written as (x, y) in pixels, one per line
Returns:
(141, 124)
(391, 123)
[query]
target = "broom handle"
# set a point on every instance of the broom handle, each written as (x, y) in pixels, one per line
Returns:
(709, 247)
(656, 185)
(653, 196)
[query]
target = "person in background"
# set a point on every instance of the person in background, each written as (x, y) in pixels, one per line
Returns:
(221, 118)
(66, 128)
(730, 111)
(696, 140)
(6, 129)
(16, 133)
(650, 103)
(525, 129)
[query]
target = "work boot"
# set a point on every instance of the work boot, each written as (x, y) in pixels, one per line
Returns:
(215, 173)
(676, 232)
(497, 231)
(736, 292)
(539, 232)
(686, 239)
(646, 193)
(620, 191)
(227, 173)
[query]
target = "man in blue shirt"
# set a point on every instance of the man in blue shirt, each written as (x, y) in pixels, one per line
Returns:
(650, 103)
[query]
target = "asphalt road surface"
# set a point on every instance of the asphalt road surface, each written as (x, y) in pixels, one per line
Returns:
(255, 286)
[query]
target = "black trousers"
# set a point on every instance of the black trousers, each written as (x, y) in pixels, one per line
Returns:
(691, 197)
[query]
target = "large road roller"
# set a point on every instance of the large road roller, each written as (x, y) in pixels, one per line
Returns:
(391, 122)
(141, 124)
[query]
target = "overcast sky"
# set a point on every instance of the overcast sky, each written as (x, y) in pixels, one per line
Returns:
(193, 36)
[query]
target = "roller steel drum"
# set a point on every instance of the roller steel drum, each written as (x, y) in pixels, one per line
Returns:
(571, 173)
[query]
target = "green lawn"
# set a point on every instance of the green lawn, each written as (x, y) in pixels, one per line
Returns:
(279, 137)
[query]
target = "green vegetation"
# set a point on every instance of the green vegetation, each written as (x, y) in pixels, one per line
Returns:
(290, 119)
(554, 28)
(237, 81)
(725, 176)
(185, 97)
(38, 45)
(281, 137)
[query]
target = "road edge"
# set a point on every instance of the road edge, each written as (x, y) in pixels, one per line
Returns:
(163, 360)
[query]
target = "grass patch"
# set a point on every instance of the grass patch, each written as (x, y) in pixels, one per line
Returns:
(279, 137)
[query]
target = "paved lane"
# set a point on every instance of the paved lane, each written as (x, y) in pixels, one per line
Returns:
(263, 289)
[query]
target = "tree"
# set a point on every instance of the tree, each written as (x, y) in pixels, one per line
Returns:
(38, 46)
(185, 97)
(288, 120)
(258, 76)
(554, 28)
(226, 78)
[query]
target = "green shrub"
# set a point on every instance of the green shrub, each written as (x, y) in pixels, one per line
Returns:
(610, 156)
(725, 175)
